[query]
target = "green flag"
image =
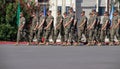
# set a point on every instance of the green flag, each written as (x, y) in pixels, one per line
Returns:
(18, 14)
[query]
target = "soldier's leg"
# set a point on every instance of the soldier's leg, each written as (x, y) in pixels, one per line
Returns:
(40, 34)
(99, 33)
(27, 35)
(95, 35)
(102, 36)
(70, 36)
(18, 37)
(80, 35)
(90, 37)
(62, 34)
(76, 36)
(48, 32)
(117, 34)
(112, 32)
(53, 35)
(31, 36)
(56, 34)
(87, 35)
(66, 35)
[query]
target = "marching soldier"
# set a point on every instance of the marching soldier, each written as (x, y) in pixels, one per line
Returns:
(69, 26)
(41, 28)
(66, 29)
(59, 28)
(75, 31)
(33, 28)
(98, 28)
(83, 25)
(115, 27)
(87, 31)
(49, 28)
(91, 28)
(105, 28)
(20, 28)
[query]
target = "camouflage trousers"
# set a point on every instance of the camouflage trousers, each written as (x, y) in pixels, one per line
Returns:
(61, 32)
(67, 34)
(32, 35)
(49, 33)
(71, 34)
(81, 31)
(22, 34)
(40, 34)
(114, 32)
(97, 33)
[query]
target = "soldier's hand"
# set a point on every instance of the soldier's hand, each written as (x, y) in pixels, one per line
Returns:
(90, 28)
(19, 29)
(34, 28)
(110, 27)
(45, 27)
(65, 25)
(102, 29)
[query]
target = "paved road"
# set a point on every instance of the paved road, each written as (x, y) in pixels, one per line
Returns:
(58, 57)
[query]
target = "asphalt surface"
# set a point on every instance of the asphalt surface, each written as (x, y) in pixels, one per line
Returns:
(59, 57)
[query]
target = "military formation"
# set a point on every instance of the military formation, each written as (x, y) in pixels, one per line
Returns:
(94, 29)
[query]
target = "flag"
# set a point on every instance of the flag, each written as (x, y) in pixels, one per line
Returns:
(44, 10)
(111, 13)
(18, 14)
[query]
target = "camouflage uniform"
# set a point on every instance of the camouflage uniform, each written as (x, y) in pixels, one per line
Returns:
(92, 30)
(41, 30)
(22, 22)
(60, 28)
(71, 27)
(83, 28)
(104, 31)
(32, 29)
(50, 30)
(114, 31)
(66, 29)
(98, 28)
(75, 31)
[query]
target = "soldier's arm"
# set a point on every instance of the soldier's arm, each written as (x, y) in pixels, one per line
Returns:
(105, 25)
(59, 23)
(88, 26)
(118, 23)
(82, 23)
(69, 22)
(75, 21)
(49, 23)
(22, 24)
(93, 23)
(36, 26)
(41, 23)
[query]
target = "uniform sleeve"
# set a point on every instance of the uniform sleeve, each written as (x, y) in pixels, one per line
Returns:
(85, 19)
(52, 18)
(72, 16)
(43, 17)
